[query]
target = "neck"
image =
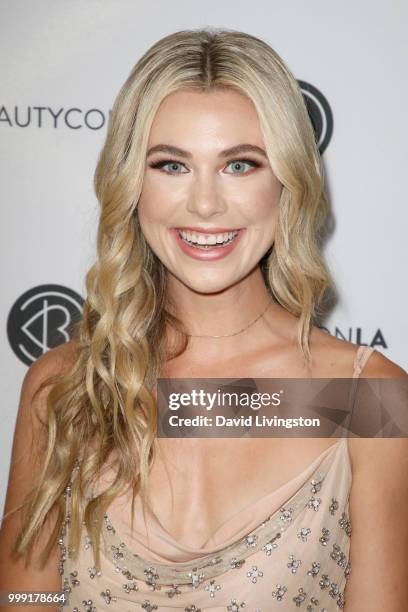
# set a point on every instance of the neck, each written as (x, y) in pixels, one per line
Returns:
(221, 313)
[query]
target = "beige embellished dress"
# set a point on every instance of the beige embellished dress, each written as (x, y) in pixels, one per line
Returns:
(289, 550)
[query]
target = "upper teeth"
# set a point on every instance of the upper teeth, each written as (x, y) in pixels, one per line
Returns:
(207, 238)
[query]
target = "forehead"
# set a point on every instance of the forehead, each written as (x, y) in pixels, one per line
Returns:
(211, 117)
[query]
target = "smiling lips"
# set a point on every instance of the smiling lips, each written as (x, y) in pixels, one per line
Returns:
(212, 244)
(208, 239)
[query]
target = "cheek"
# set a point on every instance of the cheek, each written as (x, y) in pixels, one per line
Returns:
(149, 222)
(147, 205)
(154, 211)
(261, 205)
(160, 200)
(269, 195)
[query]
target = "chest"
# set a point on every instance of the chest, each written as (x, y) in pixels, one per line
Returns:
(198, 485)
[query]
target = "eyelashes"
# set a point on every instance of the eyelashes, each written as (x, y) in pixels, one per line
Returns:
(160, 165)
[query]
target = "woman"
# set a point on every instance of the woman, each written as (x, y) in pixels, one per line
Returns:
(208, 265)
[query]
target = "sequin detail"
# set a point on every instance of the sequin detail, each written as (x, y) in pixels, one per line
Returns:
(297, 557)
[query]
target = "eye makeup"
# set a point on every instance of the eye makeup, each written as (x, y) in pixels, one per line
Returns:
(160, 164)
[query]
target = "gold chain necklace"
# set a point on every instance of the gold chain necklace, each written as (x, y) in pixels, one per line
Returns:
(235, 333)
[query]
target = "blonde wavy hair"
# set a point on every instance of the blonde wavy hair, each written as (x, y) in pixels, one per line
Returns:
(106, 396)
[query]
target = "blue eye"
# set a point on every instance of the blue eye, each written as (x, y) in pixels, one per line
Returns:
(174, 165)
(239, 165)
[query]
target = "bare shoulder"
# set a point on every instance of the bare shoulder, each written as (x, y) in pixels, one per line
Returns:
(51, 363)
(36, 385)
(334, 357)
(379, 366)
(367, 452)
(331, 356)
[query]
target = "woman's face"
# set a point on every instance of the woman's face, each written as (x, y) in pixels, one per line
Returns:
(209, 201)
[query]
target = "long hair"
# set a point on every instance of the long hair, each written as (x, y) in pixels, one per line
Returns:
(103, 404)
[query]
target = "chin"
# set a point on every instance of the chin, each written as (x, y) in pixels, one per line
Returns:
(206, 285)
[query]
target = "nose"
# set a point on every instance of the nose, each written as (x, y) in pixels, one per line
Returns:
(205, 199)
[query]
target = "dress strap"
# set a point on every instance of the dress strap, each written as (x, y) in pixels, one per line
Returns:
(362, 354)
(361, 357)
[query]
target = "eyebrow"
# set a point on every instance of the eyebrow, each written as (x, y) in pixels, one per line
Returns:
(236, 150)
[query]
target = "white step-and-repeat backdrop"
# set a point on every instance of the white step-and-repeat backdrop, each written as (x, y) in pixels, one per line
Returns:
(61, 65)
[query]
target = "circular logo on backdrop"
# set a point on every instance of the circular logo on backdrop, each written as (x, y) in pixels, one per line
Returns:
(320, 114)
(42, 318)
